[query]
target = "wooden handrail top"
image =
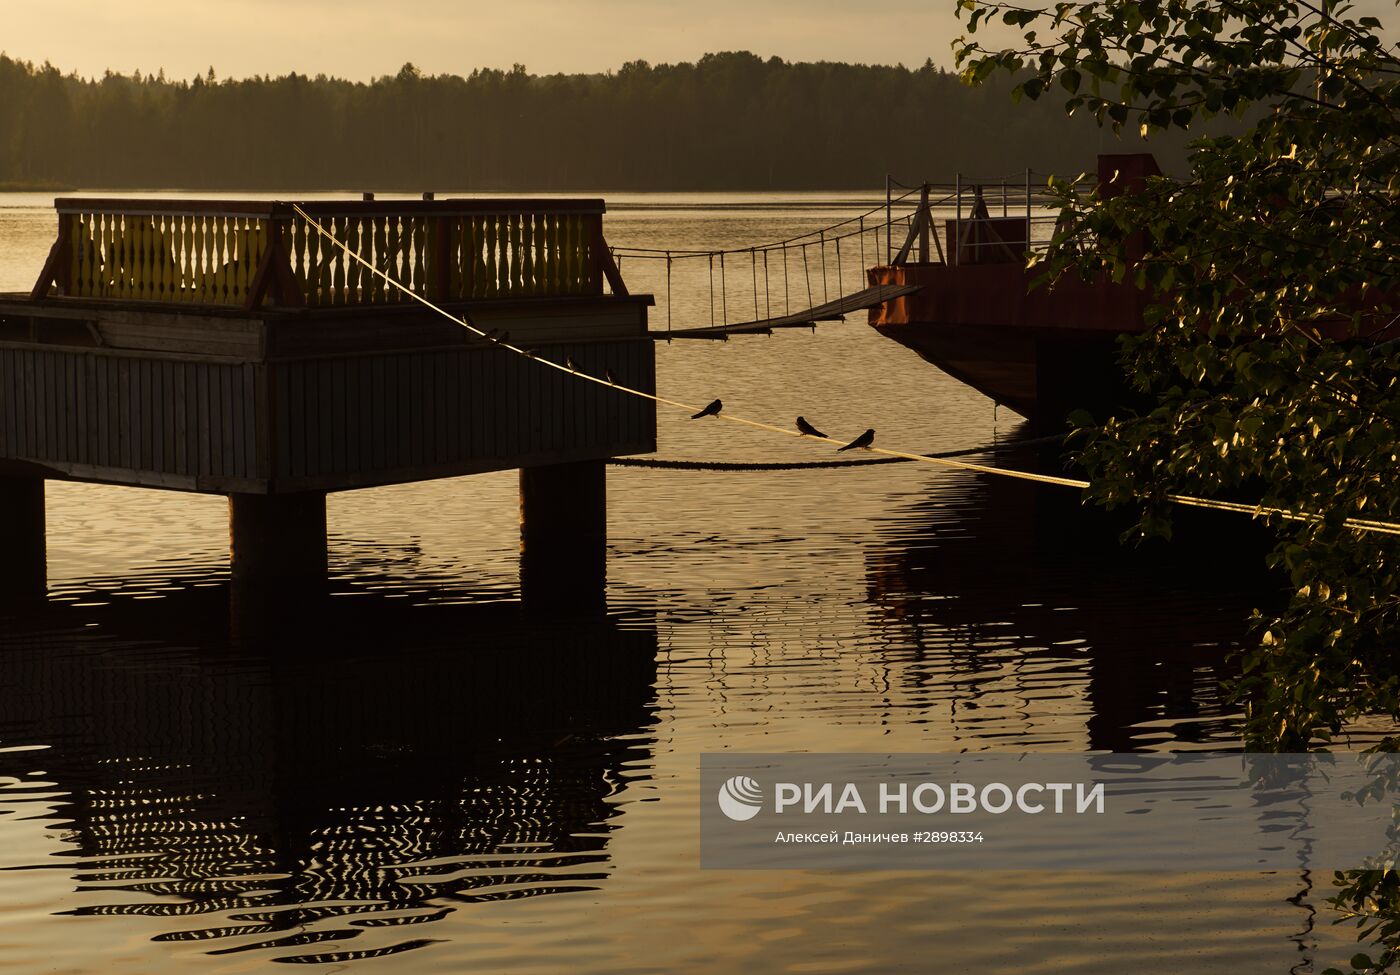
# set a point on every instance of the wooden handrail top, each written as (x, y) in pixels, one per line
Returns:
(448, 207)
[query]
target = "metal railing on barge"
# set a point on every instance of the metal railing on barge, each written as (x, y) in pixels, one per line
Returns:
(971, 233)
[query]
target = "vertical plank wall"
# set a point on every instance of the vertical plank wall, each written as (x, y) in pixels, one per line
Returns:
(391, 416)
(171, 421)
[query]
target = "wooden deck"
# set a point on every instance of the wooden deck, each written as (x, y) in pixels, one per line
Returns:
(228, 348)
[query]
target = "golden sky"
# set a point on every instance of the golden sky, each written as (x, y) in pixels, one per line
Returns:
(362, 39)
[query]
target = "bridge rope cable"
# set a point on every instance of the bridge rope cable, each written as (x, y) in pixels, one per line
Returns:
(656, 253)
(840, 288)
(723, 290)
(807, 272)
(712, 291)
(753, 260)
(787, 291)
(767, 289)
(464, 320)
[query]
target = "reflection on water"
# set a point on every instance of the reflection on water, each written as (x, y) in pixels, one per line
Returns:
(305, 797)
(1035, 594)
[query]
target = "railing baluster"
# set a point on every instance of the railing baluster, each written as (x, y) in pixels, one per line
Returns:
(169, 263)
(504, 231)
(381, 255)
(419, 270)
(492, 283)
(355, 273)
(116, 275)
(479, 273)
(337, 256)
(197, 261)
(181, 257)
(517, 257)
(220, 260)
(406, 256)
(128, 232)
(238, 260)
(101, 262)
(547, 252)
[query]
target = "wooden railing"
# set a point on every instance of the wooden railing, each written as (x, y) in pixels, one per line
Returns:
(230, 253)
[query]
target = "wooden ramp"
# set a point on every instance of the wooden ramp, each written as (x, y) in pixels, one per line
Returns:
(831, 311)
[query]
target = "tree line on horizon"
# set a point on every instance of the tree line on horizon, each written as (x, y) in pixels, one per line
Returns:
(731, 121)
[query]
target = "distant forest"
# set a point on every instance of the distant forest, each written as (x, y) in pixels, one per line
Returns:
(728, 122)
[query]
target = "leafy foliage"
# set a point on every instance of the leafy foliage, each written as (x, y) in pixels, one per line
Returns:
(1271, 360)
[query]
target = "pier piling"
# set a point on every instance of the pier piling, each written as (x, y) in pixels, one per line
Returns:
(563, 538)
(277, 546)
(23, 569)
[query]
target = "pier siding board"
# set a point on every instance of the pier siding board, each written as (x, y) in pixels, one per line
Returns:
(286, 401)
(417, 426)
(86, 415)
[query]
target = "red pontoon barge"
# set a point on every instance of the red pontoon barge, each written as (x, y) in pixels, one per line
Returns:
(1041, 351)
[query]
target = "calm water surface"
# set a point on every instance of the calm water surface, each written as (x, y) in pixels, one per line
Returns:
(413, 779)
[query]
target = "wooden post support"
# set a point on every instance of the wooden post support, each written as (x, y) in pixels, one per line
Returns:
(58, 267)
(563, 538)
(277, 547)
(925, 221)
(23, 569)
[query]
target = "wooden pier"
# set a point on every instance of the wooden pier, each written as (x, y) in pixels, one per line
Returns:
(226, 347)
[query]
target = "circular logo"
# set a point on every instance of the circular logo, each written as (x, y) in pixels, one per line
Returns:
(740, 798)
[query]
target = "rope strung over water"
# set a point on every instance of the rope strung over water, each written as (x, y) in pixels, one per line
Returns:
(464, 320)
(810, 465)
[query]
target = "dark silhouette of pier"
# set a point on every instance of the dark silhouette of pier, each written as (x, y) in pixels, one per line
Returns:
(258, 350)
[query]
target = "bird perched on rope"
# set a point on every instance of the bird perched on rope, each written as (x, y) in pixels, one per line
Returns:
(864, 440)
(569, 364)
(607, 374)
(711, 410)
(807, 429)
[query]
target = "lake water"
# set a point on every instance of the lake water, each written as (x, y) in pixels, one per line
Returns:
(417, 780)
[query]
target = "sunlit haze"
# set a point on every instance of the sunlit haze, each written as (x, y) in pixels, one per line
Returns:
(361, 39)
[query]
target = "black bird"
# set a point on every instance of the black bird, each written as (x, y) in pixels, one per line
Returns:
(807, 429)
(711, 410)
(504, 338)
(491, 335)
(532, 353)
(864, 440)
(569, 363)
(607, 374)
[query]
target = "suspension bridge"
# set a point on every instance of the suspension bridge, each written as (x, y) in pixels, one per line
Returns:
(807, 278)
